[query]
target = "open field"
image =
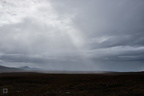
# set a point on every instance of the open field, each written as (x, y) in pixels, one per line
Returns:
(40, 84)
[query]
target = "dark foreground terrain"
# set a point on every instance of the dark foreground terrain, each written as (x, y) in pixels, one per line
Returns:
(40, 84)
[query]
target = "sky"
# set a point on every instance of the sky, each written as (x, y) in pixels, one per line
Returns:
(72, 35)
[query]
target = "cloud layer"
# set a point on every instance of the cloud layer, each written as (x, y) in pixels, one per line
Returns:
(70, 34)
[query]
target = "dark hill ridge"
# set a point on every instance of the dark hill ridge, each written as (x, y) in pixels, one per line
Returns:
(4, 69)
(25, 67)
(9, 69)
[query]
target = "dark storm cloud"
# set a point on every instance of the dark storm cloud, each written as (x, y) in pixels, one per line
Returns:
(113, 25)
(108, 23)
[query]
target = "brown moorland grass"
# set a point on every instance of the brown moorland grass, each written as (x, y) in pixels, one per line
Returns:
(40, 84)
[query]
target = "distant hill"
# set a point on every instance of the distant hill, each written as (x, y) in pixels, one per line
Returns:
(4, 69)
(9, 69)
(27, 68)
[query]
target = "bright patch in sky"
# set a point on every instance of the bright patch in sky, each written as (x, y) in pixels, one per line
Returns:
(42, 12)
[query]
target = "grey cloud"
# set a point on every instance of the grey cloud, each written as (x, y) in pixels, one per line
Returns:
(112, 32)
(121, 22)
(30, 38)
(109, 24)
(39, 59)
(118, 54)
(22, 58)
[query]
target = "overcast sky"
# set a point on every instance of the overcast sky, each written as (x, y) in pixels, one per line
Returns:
(81, 35)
